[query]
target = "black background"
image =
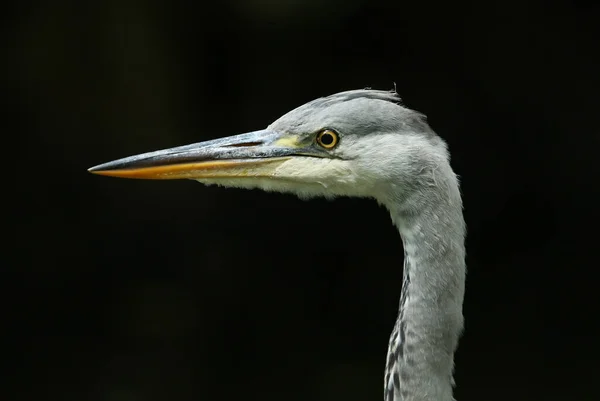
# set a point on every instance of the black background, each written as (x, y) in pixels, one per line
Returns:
(125, 290)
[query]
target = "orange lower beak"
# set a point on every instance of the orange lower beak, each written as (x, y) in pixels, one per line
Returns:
(209, 169)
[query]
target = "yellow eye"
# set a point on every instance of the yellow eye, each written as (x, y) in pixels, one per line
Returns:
(327, 139)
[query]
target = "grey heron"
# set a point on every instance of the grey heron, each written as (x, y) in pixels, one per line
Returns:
(361, 143)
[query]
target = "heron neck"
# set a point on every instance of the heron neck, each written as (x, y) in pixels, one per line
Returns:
(422, 345)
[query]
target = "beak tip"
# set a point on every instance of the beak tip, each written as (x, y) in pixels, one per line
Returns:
(100, 169)
(104, 167)
(94, 170)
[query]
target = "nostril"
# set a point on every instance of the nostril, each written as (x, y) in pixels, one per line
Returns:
(243, 145)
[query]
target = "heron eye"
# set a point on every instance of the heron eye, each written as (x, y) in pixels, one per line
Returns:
(327, 139)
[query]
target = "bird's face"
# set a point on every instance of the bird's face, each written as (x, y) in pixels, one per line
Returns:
(328, 147)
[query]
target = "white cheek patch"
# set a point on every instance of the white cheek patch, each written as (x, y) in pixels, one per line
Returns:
(327, 177)
(326, 172)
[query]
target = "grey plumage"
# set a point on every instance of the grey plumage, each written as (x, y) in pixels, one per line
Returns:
(379, 149)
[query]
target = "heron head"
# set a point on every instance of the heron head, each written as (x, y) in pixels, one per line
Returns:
(354, 143)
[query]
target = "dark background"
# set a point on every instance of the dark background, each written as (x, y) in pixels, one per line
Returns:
(123, 290)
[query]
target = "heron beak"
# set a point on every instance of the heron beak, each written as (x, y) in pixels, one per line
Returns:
(255, 154)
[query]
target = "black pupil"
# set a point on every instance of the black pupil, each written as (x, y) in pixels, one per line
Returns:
(326, 139)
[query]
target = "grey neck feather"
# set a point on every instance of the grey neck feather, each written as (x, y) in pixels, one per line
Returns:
(421, 350)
